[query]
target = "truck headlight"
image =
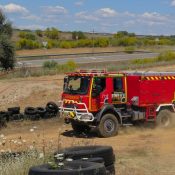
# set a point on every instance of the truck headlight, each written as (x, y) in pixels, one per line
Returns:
(86, 117)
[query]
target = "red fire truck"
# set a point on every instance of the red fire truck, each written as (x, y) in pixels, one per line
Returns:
(107, 100)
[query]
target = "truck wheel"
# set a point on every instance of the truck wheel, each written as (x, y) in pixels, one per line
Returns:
(108, 126)
(164, 119)
(80, 128)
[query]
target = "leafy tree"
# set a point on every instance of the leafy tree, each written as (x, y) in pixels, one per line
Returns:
(121, 34)
(52, 33)
(7, 52)
(39, 33)
(78, 35)
(27, 44)
(27, 35)
(5, 25)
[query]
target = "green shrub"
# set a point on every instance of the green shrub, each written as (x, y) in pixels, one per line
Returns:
(27, 44)
(144, 61)
(70, 66)
(76, 35)
(52, 33)
(130, 49)
(166, 56)
(27, 35)
(39, 33)
(52, 44)
(102, 42)
(50, 64)
(65, 45)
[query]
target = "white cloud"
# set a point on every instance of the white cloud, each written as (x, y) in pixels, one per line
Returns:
(13, 8)
(173, 3)
(85, 16)
(128, 14)
(57, 10)
(31, 17)
(154, 16)
(106, 12)
(31, 27)
(79, 3)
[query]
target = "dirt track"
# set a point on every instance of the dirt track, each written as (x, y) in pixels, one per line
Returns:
(139, 150)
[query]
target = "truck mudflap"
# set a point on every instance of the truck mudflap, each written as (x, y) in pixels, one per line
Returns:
(74, 112)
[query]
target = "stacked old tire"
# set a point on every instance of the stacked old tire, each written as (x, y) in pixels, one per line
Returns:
(84, 160)
(10, 115)
(32, 113)
(3, 119)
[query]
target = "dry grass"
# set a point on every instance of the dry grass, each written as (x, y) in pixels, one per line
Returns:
(66, 51)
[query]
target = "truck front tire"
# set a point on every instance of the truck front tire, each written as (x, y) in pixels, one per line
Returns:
(164, 119)
(108, 126)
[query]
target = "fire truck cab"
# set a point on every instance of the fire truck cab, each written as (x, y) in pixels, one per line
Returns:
(108, 100)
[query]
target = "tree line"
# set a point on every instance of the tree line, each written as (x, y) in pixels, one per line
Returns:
(32, 40)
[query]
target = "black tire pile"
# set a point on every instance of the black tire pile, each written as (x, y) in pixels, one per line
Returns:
(30, 113)
(86, 160)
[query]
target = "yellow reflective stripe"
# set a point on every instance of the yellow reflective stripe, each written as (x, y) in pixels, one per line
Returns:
(169, 78)
(126, 90)
(156, 78)
(147, 78)
(165, 78)
(152, 78)
(90, 95)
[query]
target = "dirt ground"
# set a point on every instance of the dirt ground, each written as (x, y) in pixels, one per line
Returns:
(139, 150)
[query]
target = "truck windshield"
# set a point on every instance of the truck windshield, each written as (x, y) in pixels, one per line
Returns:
(76, 85)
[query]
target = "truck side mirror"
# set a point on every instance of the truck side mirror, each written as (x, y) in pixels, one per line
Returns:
(66, 80)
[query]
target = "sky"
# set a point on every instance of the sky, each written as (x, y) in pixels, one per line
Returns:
(155, 17)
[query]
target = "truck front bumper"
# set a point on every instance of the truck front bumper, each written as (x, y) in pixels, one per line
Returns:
(73, 113)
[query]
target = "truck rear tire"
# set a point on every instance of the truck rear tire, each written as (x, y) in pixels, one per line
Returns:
(164, 119)
(80, 128)
(108, 126)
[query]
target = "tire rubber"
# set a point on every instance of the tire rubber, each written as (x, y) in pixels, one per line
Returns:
(101, 129)
(30, 111)
(79, 152)
(70, 168)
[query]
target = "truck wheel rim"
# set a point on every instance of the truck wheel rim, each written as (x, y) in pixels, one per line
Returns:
(109, 126)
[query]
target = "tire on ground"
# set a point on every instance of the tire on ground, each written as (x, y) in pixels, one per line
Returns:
(110, 170)
(79, 128)
(30, 111)
(79, 152)
(52, 107)
(34, 117)
(108, 126)
(17, 117)
(41, 111)
(93, 159)
(70, 168)
(164, 119)
(2, 122)
(14, 110)
(5, 115)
